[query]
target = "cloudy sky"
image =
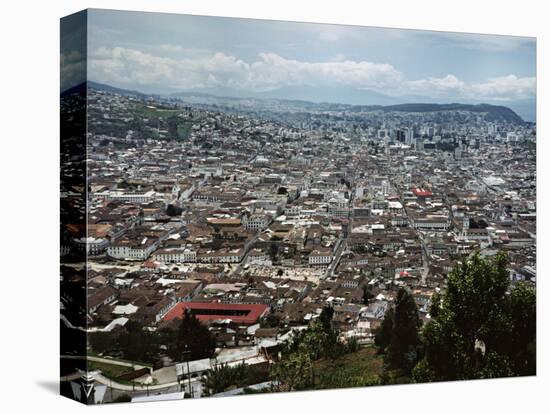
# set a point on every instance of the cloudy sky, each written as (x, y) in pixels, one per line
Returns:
(167, 53)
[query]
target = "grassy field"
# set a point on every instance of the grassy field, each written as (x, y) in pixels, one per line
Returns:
(156, 112)
(109, 370)
(91, 352)
(184, 130)
(181, 127)
(358, 369)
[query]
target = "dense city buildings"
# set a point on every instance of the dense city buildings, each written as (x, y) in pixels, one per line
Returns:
(237, 217)
(240, 217)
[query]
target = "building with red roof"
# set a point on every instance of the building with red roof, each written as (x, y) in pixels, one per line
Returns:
(421, 192)
(238, 313)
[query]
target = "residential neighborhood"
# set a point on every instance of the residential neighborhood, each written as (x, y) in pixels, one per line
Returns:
(254, 225)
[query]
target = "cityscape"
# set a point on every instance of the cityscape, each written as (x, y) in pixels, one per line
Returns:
(231, 240)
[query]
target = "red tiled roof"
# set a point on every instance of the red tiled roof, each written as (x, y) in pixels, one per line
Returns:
(209, 311)
(420, 192)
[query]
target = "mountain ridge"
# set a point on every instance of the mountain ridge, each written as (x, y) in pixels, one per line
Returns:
(493, 112)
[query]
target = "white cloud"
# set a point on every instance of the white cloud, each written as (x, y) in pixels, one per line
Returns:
(506, 86)
(447, 85)
(503, 88)
(271, 71)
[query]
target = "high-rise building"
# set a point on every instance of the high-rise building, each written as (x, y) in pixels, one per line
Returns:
(400, 135)
(409, 136)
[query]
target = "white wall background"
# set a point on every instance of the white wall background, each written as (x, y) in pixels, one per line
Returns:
(29, 202)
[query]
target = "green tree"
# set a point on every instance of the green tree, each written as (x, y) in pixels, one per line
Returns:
(404, 341)
(103, 342)
(480, 328)
(319, 340)
(193, 337)
(383, 334)
(172, 210)
(312, 340)
(367, 294)
(326, 318)
(294, 372)
(398, 339)
(273, 251)
(131, 342)
(136, 343)
(219, 378)
(422, 372)
(270, 321)
(521, 345)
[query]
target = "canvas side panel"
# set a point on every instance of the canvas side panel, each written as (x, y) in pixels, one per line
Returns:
(73, 226)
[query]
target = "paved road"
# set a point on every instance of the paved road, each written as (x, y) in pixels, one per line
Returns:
(336, 259)
(238, 270)
(425, 258)
(98, 376)
(425, 263)
(196, 384)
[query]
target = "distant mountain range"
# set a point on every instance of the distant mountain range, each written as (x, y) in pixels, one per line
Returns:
(494, 112)
(113, 89)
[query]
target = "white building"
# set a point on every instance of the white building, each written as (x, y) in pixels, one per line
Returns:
(135, 197)
(132, 250)
(259, 258)
(91, 245)
(256, 222)
(221, 256)
(320, 257)
(432, 223)
(176, 256)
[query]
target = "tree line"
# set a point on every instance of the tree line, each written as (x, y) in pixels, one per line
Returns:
(295, 370)
(481, 327)
(190, 340)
